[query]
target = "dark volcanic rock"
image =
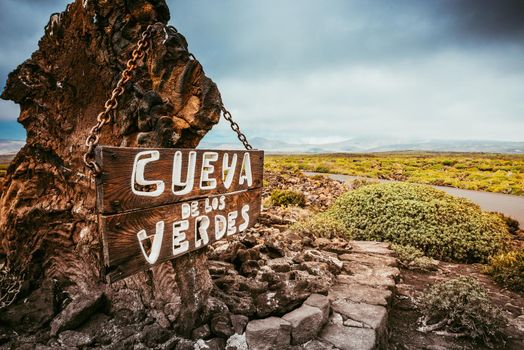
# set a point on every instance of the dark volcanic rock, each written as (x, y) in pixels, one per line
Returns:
(154, 334)
(202, 332)
(74, 339)
(239, 323)
(221, 326)
(34, 312)
(48, 225)
(78, 311)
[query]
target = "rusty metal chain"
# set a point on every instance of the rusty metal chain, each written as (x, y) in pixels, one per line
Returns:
(104, 117)
(227, 115)
(235, 127)
(111, 104)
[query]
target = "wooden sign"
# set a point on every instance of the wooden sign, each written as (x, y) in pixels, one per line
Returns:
(159, 204)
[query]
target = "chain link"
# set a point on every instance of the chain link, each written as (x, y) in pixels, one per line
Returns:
(111, 104)
(235, 127)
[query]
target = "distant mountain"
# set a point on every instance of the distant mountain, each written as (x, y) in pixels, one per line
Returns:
(371, 144)
(355, 145)
(10, 146)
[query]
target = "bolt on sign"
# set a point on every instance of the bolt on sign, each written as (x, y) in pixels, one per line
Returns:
(158, 204)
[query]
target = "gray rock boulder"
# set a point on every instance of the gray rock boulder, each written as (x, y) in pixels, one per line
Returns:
(349, 338)
(373, 316)
(270, 333)
(306, 323)
(360, 293)
(320, 301)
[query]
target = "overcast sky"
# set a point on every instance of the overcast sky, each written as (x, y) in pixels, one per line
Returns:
(305, 70)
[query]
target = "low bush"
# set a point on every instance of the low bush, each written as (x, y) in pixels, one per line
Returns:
(320, 225)
(321, 169)
(461, 306)
(440, 225)
(361, 182)
(512, 224)
(508, 269)
(413, 259)
(285, 198)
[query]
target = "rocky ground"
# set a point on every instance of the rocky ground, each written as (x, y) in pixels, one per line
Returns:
(404, 315)
(272, 289)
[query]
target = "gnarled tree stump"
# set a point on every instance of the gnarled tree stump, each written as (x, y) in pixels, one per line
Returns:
(48, 224)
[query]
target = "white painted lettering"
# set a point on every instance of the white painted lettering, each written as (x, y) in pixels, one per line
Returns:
(137, 176)
(245, 171)
(231, 218)
(228, 170)
(201, 236)
(194, 209)
(186, 210)
(177, 173)
(245, 216)
(156, 243)
(207, 183)
(180, 244)
(220, 226)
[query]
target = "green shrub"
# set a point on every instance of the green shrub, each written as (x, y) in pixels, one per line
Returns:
(508, 269)
(285, 198)
(413, 258)
(461, 306)
(321, 169)
(361, 182)
(512, 224)
(440, 225)
(320, 225)
(449, 162)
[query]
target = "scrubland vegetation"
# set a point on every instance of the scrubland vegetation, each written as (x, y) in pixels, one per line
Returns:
(435, 223)
(440, 225)
(501, 173)
(462, 306)
(507, 268)
(3, 169)
(425, 226)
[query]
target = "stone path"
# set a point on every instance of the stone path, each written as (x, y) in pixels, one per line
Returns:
(352, 316)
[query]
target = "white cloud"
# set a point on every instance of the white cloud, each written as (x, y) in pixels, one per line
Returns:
(448, 95)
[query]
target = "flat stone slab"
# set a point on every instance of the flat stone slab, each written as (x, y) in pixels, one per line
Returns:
(306, 322)
(360, 293)
(373, 316)
(371, 247)
(318, 345)
(320, 301)
(349, 338)
(370, 259)
(368, 280)
(357, 268)
(272, 333)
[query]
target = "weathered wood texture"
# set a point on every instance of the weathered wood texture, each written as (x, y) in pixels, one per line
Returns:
(122, 252)
(114, 192)
(48, 226)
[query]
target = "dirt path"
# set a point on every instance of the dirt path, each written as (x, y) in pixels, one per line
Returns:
(506, 204)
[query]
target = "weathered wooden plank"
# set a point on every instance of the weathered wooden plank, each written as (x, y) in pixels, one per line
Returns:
(137, 178)
(166, 232)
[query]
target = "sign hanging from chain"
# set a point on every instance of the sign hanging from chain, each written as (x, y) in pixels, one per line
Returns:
(158, 204)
